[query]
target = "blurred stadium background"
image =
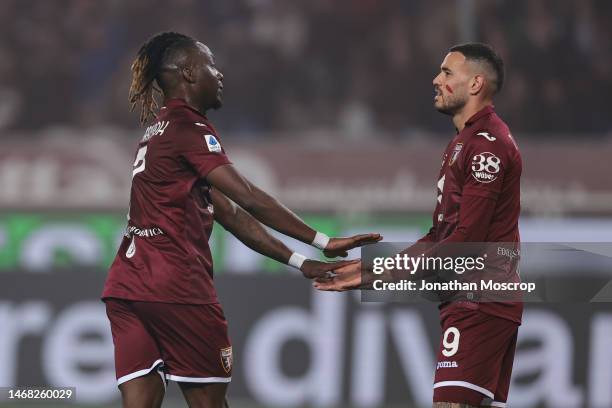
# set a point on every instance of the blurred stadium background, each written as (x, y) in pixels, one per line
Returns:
(328, 105)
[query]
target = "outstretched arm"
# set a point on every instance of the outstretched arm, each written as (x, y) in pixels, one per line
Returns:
(275, 215)
(209, 161)
(254, 235)
(475, 214)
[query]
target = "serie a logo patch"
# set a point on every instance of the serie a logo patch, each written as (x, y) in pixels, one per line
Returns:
(212, 143)
(227, 359)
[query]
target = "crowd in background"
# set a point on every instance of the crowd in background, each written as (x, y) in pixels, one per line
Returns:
(355, 66)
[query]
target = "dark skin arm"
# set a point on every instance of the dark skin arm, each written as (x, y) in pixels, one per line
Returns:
(475, 214)
(254, 235)
(269, 211)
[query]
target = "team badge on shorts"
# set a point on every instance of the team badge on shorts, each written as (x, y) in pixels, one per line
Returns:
(227, 359)
(455, 153)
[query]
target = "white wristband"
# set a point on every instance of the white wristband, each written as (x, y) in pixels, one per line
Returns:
(320, 240)
(296, 260)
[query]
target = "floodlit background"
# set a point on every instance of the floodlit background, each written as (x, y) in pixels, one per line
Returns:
(328, 106)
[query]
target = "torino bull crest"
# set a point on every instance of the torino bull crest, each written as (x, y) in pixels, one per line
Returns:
(227, 359)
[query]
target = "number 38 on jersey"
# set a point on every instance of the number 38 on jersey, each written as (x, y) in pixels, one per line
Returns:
(485, 167)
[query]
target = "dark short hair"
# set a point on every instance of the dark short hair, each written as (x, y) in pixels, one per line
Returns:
(483, 53)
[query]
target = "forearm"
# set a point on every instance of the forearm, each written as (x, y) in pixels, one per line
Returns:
(255, 236)
(475, 217)
(271, 212)
(259, 204)
(429, 237)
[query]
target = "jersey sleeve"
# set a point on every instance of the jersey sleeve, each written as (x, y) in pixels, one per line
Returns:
(485, 166)
(200, 148)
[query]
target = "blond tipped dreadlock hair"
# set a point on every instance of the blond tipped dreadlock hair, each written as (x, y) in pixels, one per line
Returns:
(146, 68)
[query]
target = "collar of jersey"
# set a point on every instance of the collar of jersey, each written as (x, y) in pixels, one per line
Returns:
(180, 103)
(487, 110)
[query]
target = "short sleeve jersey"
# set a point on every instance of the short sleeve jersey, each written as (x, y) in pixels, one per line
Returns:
(164, 255)
(482, 160)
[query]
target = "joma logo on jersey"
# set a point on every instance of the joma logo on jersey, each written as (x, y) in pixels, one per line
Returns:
(487, 136)
(156, 129)
(447, 364)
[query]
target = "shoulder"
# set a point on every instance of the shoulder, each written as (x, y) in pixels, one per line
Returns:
(190, 126)
(492, 134)
(490, 146)
(185, 120)
(191, 133)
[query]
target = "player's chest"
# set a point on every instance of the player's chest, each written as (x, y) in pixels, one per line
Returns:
(451, 169)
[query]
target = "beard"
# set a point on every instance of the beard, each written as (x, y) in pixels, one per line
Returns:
(218, 102)
(450, 105)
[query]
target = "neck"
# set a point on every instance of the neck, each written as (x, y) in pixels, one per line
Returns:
(189, 99)
(469, 110)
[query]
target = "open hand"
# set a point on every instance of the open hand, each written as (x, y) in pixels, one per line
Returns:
(346, 277)
(315, 269)
(340, 246)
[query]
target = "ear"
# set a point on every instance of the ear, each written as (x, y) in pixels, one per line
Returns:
(188, 74)
(477, 84)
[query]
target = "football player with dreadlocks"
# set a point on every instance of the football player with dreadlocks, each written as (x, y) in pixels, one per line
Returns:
(165, 317)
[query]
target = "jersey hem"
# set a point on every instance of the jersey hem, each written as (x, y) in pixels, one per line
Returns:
(188, 301)
(518, 321)
(443, 309)
(464, 384)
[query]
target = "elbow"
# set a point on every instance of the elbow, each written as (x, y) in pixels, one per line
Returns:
(468, 235)
(475, 237)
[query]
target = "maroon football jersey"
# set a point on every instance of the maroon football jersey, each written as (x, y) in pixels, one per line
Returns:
(164, 255)
(481, 171)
